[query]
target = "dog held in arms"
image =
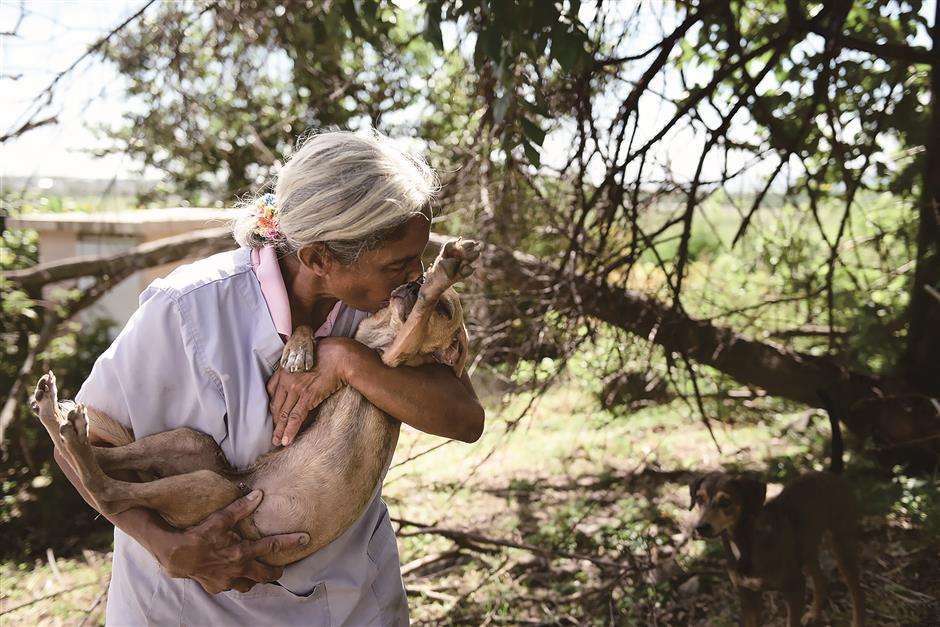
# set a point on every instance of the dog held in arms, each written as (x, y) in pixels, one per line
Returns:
(773, 546)
(318, 485)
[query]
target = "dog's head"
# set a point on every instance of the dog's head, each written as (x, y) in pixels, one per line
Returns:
(446, 340)
(723, 501)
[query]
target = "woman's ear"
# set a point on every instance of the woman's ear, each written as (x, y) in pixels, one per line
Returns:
(317, 258)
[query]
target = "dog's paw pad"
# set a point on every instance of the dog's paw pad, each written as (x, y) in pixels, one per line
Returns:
(75, 427)
(454, 263)
(46, 388)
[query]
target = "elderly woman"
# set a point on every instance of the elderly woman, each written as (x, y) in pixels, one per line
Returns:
(347, 223)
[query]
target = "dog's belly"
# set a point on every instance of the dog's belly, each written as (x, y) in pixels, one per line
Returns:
(322, 482)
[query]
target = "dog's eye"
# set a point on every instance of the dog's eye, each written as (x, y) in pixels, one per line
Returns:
(724, 503)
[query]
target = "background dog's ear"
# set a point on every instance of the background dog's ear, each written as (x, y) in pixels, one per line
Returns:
(693, 490)
(753, 493)
(457, 354)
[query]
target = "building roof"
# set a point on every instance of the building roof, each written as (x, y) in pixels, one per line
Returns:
(136, 222)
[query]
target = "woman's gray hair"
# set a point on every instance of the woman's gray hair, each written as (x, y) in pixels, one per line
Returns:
(346, 190)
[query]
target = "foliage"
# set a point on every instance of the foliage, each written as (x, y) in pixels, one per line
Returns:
(33, 503)
(221, 88)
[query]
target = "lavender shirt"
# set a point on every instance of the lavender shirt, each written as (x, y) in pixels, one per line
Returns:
(198, 353)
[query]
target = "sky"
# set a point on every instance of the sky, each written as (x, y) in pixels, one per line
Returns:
(50, 38)
(55, 33)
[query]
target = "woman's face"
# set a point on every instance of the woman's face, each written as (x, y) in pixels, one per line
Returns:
(368, 283)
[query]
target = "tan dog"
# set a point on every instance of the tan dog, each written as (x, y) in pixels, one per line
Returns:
(773, 546)
(319, 485)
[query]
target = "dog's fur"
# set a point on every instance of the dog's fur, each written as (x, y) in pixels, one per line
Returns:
(774, 546)
(318, 485)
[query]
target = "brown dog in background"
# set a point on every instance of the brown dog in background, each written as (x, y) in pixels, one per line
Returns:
(774, 546)
(318, 485)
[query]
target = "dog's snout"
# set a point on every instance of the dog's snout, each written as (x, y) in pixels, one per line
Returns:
(704, 530)
(410, 289)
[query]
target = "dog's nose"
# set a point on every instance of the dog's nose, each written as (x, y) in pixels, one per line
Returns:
(703, 530)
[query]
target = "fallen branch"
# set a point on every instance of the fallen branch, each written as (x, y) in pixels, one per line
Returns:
(48, 596)
(97, 601)
(421, 562)
(158, 252)
(476, 538)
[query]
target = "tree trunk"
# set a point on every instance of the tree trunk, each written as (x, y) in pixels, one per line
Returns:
(921, 364)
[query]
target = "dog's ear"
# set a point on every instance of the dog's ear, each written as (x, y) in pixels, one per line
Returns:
(693, 490)
(753, 493)
(457, 354)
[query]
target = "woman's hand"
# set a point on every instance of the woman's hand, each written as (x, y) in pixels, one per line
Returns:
(215, 556)
(295, 394)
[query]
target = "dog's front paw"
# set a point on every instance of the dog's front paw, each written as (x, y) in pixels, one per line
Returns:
(298, 355)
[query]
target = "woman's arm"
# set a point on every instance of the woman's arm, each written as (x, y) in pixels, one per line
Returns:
(429, 398)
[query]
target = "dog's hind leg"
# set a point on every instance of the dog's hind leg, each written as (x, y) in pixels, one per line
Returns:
(175, 452)
(794, 594)
(845, 546)
(184, 500)
(750, 607)
(814, 615)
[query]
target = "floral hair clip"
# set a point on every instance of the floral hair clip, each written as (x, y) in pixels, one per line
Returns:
(266, 214)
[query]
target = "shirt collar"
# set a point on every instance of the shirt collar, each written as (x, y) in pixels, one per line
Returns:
(268, 271)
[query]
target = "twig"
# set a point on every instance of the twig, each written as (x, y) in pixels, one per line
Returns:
(431, 593)
(930, 290)
(457, 535)
(414, 565)
(50, 557)
(98, 599)
(48, 596)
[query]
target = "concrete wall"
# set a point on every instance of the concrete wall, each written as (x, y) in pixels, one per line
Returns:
(65, 235)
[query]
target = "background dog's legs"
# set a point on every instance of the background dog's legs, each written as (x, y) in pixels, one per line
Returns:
(794, 593)
(175, 452)
(750, 607)
(844, 545)
(814, 615)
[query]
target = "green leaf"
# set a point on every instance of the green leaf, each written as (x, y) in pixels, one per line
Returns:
(533, 132)
(432, 29)
(532, 154)
(490, 41)
(567, 48)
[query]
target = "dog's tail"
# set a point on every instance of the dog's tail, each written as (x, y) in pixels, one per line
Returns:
(836, 447)
(107, 429)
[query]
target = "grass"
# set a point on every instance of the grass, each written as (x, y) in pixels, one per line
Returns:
(596, 508)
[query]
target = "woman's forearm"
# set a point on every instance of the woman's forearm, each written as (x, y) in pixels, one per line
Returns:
(429, 398)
